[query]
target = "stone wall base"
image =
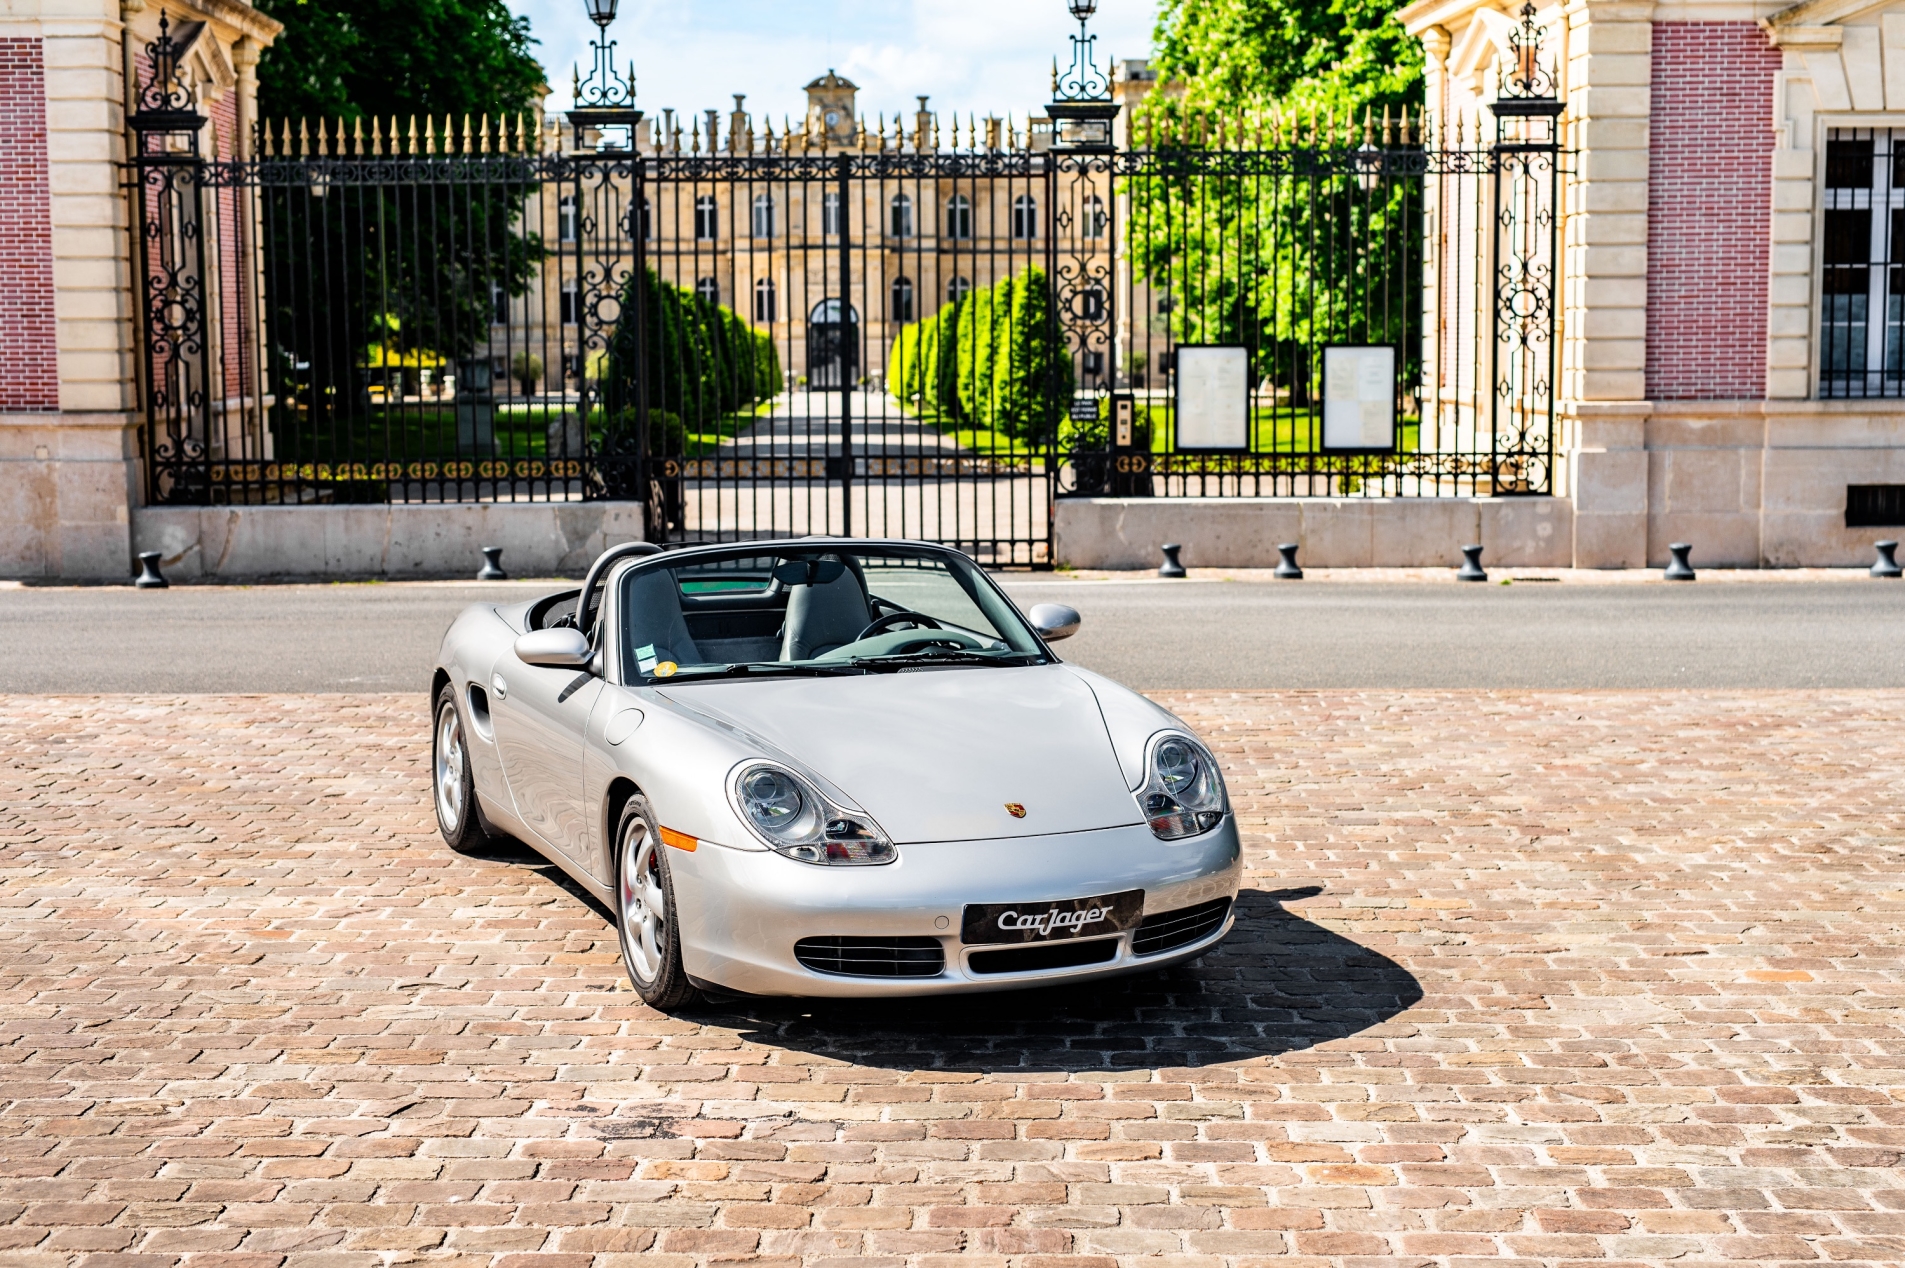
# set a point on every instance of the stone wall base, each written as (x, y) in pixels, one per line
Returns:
(1331, 532)
(1751, 484)
(66, 486)
(539, 539)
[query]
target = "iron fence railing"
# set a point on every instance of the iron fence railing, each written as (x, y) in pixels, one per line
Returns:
(893, 336)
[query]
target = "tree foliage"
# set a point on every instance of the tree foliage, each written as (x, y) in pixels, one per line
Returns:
(994, 359)
(1238, 57)
(1300, 253)
(703, 360)
(352, 58)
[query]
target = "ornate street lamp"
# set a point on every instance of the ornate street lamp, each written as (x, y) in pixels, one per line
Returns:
(603, 100)
(1081, 109)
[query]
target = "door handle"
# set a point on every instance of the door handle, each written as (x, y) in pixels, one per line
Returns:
(501, 687)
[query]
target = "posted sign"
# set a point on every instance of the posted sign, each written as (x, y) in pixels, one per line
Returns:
(1359, 397)
(1213, 397)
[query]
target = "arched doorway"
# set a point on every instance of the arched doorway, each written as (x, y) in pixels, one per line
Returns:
(833, 344)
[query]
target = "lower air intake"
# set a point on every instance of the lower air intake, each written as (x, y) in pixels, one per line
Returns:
(873, 957)
(1179, 928)
(1046, 955)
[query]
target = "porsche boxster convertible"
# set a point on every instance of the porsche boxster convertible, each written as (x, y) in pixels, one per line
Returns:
(831, 767)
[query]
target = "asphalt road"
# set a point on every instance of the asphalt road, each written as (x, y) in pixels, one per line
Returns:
(1146, 634)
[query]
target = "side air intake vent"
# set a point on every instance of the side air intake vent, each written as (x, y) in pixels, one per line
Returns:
(873, 957)
(1179, 928)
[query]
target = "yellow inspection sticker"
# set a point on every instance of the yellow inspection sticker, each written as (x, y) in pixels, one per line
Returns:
(666, 669)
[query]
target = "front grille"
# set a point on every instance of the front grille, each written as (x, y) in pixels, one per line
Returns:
(1045, 955)
(873, 957)
(1179, 928)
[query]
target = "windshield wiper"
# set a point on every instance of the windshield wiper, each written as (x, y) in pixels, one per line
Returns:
(742, 669)
(945, 658)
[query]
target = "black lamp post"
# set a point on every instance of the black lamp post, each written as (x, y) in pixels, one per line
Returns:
(603, 100)
(1082, 109)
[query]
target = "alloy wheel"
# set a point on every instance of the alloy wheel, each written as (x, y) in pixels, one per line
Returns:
(449, 768)
(644, 904)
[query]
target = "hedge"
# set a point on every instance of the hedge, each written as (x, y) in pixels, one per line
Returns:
(994, 359)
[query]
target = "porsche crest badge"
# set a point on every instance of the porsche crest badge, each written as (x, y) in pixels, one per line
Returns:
(1014, 809)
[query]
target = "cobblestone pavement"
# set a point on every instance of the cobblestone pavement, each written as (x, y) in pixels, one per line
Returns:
(1539, 978)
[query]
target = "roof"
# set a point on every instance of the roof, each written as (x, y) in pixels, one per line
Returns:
(832, 80)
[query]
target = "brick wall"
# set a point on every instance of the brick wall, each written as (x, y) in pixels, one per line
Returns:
(1709, 210)
(29, 359)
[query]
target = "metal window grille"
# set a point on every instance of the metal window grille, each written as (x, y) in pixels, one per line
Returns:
(1862, 264)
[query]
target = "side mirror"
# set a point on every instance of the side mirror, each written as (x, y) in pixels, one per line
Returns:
(554, 649)
(1054, 621)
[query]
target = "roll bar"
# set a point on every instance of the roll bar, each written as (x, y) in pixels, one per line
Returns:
(598, 571)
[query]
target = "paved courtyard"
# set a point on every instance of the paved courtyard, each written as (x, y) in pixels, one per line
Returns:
(1529, 977)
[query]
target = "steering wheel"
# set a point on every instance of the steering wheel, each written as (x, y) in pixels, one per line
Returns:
(918, 620)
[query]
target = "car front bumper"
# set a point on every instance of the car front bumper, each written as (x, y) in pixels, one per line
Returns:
(742, 911)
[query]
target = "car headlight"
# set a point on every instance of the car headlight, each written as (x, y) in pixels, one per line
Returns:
(1184, 794)
(794, 818)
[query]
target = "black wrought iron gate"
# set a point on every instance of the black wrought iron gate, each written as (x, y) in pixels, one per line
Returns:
(922, 335)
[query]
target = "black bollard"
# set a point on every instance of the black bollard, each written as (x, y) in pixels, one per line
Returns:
(1887, 565)
(1471, 569)
(150, 578)
(1679, 569)
(1171, 567)
(492, 565)
(1286, 566)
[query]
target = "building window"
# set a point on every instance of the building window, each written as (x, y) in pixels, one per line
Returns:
(901, 219)
(763, 215)
(902, 299)
(570, 304)
(1025, 216)
(764, 301)
(958, 289)
(708, 289)
(566, 218)
(1094, 364)
(645, 223)
(707, 218)
(1862, 258)
(1091, 303)
(1093, 217)
(830, 213)
(498, 305)
(959, 216)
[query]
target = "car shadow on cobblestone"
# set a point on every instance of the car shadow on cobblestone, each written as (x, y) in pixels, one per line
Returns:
(1278, 984)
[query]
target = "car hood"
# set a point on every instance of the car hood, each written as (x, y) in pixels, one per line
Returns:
(939, 755)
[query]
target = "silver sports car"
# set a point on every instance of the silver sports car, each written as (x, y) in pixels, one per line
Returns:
(832, 767)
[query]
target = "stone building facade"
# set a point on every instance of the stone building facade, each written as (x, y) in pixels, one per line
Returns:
(1732, 372)
(68, 426)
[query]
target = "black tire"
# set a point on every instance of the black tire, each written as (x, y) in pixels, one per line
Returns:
(453, 788)
(645, 913)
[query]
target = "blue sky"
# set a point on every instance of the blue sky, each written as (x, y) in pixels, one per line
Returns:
(978, 56)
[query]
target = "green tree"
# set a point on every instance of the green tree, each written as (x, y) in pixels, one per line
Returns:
(350, 262)
(995, 359)
(1282, 259)
(1239, 57)
(351, 58)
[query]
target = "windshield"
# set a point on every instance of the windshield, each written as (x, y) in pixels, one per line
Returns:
(831, 609)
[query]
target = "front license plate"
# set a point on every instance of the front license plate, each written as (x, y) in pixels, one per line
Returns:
(1046, 922)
